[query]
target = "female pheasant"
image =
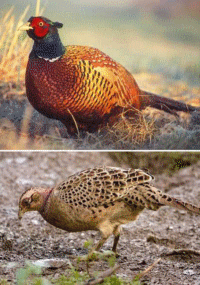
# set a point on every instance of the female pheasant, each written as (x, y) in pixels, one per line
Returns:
(101, 199)
(81, 86)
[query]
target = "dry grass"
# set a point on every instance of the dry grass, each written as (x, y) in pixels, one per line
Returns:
(15, 46)
(149, 129)
(131, 129)
(14, 50)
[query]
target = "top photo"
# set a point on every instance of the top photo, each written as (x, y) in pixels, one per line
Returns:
(93, 75)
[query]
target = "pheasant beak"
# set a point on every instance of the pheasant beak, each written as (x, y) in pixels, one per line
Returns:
(25, 27)
(21, 213)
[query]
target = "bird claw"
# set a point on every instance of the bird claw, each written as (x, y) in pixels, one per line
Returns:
(117, 255)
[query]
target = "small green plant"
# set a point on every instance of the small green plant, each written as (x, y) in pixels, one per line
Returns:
(3, 282)
(26, 275)
(88, 243)
(74, 277)
(112, 261)
(113, 280)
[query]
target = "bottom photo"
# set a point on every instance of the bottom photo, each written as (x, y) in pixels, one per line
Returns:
(99, 218)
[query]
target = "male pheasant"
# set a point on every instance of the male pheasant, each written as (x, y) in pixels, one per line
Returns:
(101, 199)
(79, 85)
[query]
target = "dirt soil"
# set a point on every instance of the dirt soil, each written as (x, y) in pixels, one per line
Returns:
(155, 234)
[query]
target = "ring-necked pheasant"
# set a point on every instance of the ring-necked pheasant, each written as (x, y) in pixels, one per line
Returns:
(81, 84)
(100, 199)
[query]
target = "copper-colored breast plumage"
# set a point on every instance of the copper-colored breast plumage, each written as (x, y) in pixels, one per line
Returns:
(84, 82)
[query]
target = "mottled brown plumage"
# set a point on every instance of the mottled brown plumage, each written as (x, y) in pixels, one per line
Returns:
(100, 199)
(82, 86)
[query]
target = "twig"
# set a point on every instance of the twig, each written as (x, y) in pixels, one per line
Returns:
(143, 273)
(87, 268)
(182, 251)
(102, 276)
(76, 125)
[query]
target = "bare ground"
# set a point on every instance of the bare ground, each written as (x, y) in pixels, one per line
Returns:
(153, 235)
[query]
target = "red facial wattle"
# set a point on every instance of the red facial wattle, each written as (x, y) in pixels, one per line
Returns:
(41, 28)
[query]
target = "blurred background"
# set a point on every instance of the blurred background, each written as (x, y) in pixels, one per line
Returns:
(160, 36)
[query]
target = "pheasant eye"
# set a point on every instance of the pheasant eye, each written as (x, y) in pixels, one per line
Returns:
(25, 203)
(34, 197)
(41, 24)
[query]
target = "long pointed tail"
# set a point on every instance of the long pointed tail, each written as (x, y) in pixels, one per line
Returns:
(153, 199)
(165, 104)
(176, 203)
